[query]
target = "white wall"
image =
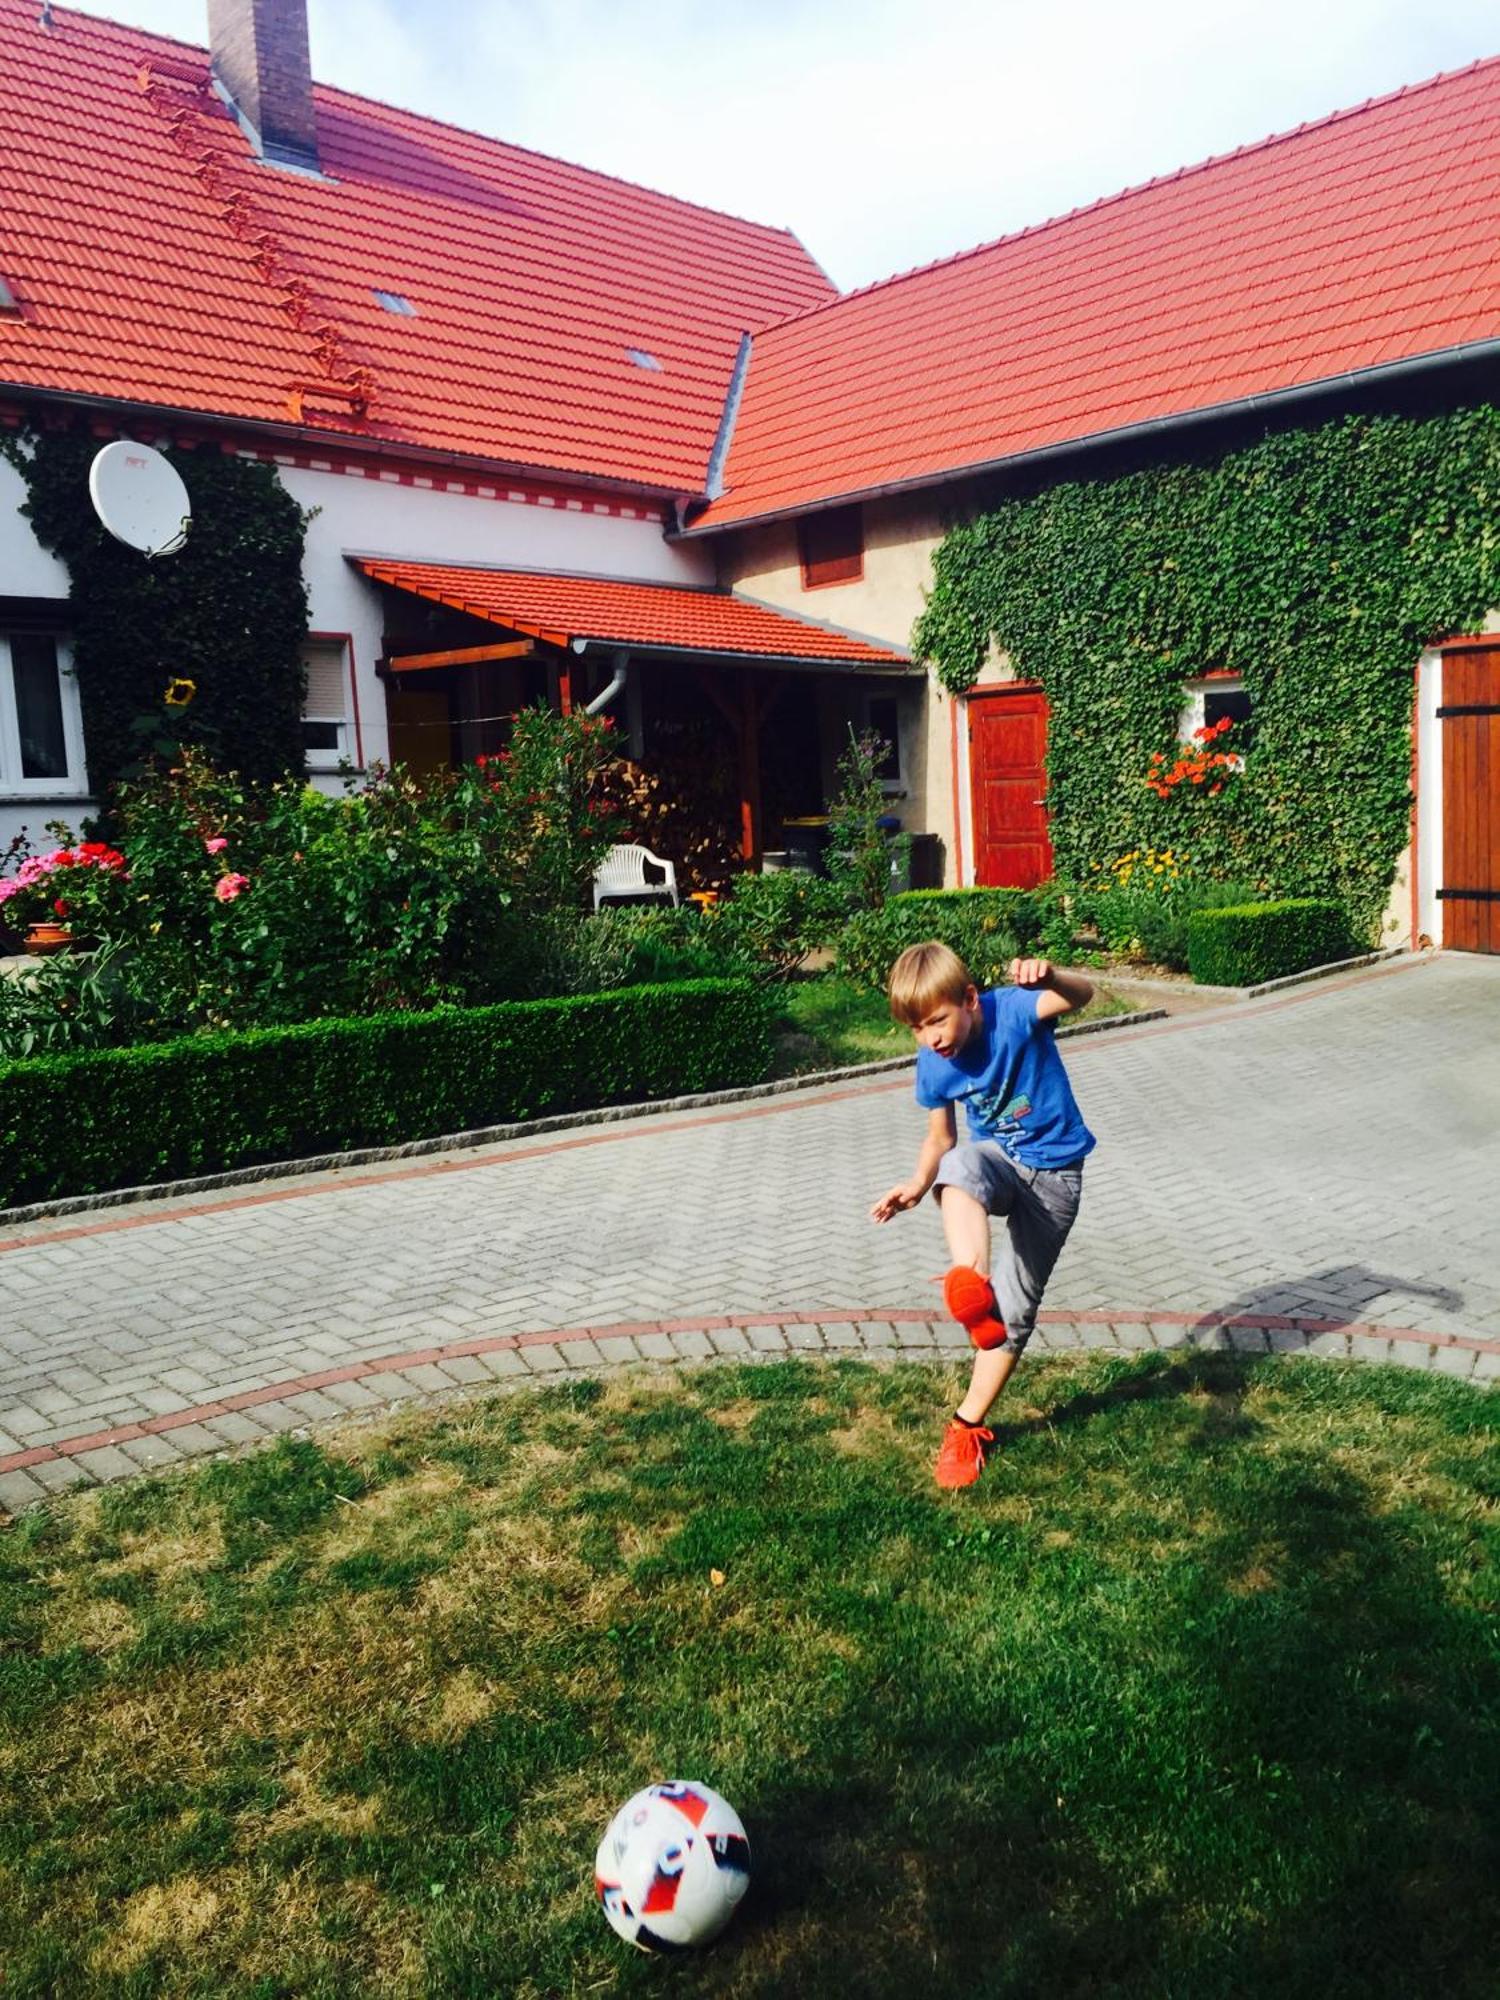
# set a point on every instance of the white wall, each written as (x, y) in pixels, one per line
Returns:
(375, 518)
(371, 516)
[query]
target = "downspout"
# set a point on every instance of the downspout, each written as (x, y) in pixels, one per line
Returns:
(607, 693)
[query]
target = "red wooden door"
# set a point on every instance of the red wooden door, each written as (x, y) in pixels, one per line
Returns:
(1469, 719)
(1007, 781)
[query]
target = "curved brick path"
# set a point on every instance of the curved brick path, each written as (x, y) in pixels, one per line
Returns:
(1316, 1171)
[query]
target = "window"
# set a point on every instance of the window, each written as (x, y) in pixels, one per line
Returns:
(883, 719)
(41, 725)
(325, 712)
(832, 547)
(1213, 699)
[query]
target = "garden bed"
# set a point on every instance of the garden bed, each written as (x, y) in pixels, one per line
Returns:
(1189, 1695)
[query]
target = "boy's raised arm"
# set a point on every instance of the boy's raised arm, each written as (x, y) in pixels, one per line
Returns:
(1061, 992)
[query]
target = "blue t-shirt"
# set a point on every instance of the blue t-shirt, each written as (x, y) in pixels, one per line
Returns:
(1011, 1082)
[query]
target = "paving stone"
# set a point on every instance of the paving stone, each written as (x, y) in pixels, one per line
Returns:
(731, 1341)
(428, 1377)
(18, 1490)
(315, 1406)
(235, 1428)
(351, 1396)
(1411, 1353)
(950, 1334)
(1486, 1367)
(1132, 1334)
(151, 1451)
(544, 1359)
(107, 1462)
(877, 1333)
(807, 1338)
(385, 1384)
(655, 1346)
(1283, 1341)
(840, 1334)
(1334, 1346)
(692, 1345)
(913, 1333)
(505, 1364)
(1454, 1361)
(465, 1368)
(62, 1475)
(766, 1339)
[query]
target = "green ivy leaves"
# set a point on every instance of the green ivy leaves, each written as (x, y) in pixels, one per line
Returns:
(1315, 563)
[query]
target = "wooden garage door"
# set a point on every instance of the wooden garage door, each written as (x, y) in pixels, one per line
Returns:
(1007, 780)
(1469, 721)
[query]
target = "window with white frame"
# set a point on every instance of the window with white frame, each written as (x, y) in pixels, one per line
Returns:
(41, 723)
(1216, 698)
(882, 717)
(326, 736)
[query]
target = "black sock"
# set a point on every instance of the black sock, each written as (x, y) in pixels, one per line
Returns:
(969, 1423)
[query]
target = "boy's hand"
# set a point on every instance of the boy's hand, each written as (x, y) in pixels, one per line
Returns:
(899, 1198)
(1031, 971)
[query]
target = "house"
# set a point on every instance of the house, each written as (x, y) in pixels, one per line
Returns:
(491, 377)
(567, 436)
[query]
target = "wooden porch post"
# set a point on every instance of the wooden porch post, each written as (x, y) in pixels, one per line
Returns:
(749, 770)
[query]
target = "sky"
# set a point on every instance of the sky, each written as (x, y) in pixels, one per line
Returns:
(885, 133)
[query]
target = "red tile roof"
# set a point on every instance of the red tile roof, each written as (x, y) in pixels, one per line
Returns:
(1369, 238)
(652, 616)
(157, 262)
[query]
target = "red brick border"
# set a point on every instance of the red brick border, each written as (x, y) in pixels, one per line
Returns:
(351, 1371)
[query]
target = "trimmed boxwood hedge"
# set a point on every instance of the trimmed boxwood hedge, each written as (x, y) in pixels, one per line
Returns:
(1251, 942)
(109, 1118)
(986, 927)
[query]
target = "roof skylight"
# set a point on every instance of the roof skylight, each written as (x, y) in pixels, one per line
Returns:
(644, 360)
(395, 302)
(9, 303)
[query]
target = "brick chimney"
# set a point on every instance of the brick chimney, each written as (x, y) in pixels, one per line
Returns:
(259, 50)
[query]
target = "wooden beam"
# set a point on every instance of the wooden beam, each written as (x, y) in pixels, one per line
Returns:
(749, 770)
(462, 656)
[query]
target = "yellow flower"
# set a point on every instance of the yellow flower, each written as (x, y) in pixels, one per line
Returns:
(179, 692)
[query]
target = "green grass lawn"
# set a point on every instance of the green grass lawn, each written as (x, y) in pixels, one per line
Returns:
(1195, 1694)
(829, 1022)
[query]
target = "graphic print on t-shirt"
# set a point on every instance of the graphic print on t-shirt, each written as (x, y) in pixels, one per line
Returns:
(1002, 1120)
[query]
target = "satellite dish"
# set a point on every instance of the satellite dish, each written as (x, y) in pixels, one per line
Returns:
(140, 498)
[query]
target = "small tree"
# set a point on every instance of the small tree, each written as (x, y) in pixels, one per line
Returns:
(862, 857)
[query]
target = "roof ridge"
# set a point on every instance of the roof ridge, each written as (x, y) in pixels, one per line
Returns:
(468, 131)
(1136, 188)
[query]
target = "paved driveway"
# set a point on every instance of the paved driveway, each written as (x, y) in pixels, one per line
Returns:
(1326, 1160)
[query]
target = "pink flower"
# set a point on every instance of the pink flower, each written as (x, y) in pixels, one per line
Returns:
(216, 845)
(229, 886)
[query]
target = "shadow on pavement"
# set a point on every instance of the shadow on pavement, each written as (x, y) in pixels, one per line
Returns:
(1342, 1295)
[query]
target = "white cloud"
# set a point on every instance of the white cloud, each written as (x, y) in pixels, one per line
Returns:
(891, 133)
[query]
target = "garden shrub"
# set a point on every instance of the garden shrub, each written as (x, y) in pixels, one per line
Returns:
(768, 924)
(1251, 942)
(1147, 919)
(79, 1123)
(986, 927)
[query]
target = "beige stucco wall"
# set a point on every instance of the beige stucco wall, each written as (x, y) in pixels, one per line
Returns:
(900, 536)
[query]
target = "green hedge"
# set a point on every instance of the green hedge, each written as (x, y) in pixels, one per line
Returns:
(107, 1118)
(986, 927)
(1244, 945)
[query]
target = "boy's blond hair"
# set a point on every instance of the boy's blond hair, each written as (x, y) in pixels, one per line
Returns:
(923, 977)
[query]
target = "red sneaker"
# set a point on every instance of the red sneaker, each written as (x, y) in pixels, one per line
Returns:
(963, 1454)
(970, 1297)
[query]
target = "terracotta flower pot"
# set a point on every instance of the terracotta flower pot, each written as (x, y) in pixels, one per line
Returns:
(42, 938)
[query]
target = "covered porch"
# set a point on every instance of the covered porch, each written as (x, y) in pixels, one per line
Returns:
(734, 714)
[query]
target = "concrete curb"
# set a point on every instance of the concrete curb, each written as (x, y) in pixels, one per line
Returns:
(377, 1386)
(490, 1135)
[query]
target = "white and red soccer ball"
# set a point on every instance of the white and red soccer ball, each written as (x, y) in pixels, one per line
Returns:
(672, 1866)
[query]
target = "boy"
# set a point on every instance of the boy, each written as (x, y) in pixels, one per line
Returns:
(1024, 1158)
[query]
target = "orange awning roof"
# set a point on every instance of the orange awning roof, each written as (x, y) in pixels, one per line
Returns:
(647, 617)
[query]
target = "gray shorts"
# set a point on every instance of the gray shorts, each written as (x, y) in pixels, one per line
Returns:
(1039, 1205)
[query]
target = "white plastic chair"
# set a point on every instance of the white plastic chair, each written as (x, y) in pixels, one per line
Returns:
(623, 873)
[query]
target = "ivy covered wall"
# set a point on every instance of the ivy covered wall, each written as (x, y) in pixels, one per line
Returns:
(201, 647)
(1316, 564)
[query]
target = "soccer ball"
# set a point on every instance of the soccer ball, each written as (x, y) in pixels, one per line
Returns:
(672, 1866)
